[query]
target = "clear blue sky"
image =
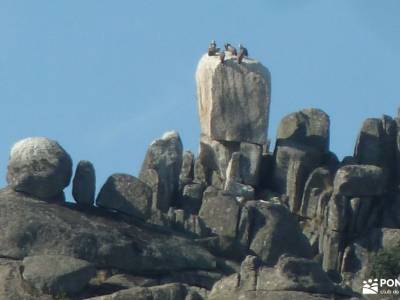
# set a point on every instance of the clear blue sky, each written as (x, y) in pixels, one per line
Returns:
(105, 78)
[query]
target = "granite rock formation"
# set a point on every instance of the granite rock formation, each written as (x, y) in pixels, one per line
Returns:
(236, 221)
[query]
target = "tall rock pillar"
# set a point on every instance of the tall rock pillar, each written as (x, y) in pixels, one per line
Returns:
(233, 103)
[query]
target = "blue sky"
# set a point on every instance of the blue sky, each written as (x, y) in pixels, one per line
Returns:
(105, 78)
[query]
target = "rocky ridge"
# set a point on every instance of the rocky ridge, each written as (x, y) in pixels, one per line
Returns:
(234, 222)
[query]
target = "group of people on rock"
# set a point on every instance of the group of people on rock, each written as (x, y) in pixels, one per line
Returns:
(214, 51)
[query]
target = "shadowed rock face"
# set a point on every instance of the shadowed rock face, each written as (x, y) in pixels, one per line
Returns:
(32, 227)
(275, 232)
(233, 99)
(126, 194)
(164, 155)
(57, 273)
(84, 183)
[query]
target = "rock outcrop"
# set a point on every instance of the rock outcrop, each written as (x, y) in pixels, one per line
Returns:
(236, 221)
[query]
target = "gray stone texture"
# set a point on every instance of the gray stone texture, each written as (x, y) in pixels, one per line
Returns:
(376, 144)
(105, 241)
(187, 171)
(301, 146)
(221, 215)
(126, 194)
(39, 166)
(318, 185)
(359, 180)
(308, 127)
(164, 155)
(295, 274)
(84, 183)
(275, 232)
(215, 156)
(233, 99)
(192, 197)
(55, 274)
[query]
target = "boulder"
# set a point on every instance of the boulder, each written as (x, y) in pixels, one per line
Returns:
(294, 274)
(39, 166)
(55, 274)
(164, 155)
(126, 194)
(84, 183)
(359, 180)
(221, 215)
(307, 128)
(376, 144)
(191, 197)
(233, 99)
(275, 232)
(100, 238)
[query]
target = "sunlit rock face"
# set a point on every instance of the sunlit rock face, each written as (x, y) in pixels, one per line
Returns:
(233, 99)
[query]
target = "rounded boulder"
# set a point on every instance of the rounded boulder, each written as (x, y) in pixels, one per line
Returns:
(39, 166)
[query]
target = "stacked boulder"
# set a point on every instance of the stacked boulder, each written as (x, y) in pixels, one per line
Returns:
(233, 104)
